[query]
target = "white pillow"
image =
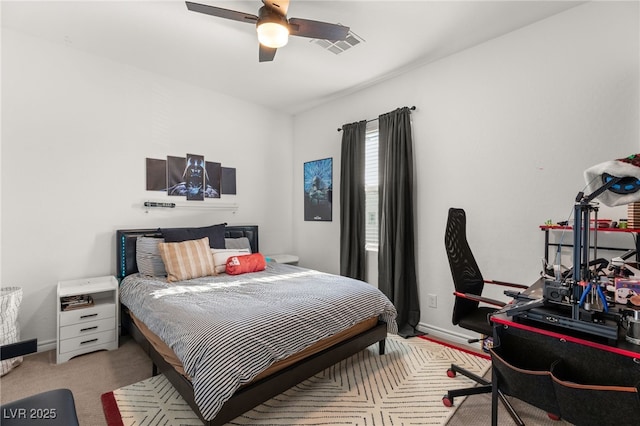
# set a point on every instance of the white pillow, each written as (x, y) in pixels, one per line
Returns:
(220, 257)
(237, 243)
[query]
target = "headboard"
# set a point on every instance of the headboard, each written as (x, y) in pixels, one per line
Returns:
(126, 244)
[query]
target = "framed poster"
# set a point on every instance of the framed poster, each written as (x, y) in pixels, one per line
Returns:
(318, 190)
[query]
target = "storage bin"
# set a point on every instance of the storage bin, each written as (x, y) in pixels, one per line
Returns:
(10, 300)
(583, 401)
(525, 376)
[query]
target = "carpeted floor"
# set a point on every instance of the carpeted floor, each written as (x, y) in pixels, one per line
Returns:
(404, 387)
(91, 375)
(88, 376)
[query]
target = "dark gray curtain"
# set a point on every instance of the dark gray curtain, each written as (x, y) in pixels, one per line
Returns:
(352, 201)
(396, 253)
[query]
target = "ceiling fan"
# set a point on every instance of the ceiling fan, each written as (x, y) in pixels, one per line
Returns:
(273, 27)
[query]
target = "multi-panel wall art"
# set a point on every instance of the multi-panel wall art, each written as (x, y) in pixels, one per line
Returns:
(191, 177)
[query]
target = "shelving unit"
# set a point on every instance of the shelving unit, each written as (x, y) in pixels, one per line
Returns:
(91, 328)
(547, 229)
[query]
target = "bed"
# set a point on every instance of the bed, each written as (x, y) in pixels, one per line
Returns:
(267, 363)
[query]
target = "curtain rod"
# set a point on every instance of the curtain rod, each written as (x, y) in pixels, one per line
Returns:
(413, 108)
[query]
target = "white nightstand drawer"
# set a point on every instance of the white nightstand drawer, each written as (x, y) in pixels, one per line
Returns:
(88, 341)
(86, 328)
(98, 312)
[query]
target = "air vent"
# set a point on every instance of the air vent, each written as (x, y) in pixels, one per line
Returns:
(340, 46)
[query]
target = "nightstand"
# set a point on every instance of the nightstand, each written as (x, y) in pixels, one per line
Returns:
(283, 258)
(87, 316)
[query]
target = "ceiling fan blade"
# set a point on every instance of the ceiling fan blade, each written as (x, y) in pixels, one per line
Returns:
(222, 13)
(266, 54)
(278, 5)
(317, 29)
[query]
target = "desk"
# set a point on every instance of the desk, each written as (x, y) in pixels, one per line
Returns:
(583, 380)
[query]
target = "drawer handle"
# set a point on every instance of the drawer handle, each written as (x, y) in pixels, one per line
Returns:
(88, 328)
(89, 341)
(88, 316)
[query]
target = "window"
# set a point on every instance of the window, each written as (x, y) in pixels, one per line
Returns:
(371, 185)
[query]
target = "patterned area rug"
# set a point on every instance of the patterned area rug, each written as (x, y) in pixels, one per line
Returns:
(403, 387)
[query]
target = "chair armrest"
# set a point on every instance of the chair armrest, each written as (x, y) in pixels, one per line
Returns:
(13, 350)
(506, 284)
(477, 298)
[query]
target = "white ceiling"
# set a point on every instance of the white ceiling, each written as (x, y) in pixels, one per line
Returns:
(165, 38)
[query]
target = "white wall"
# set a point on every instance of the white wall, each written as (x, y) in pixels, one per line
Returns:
(503, 130)
(76, 131)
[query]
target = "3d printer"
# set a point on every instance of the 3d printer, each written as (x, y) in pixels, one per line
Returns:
(576, 299)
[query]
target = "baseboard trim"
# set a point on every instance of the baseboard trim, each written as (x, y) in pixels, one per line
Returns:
(47, 345)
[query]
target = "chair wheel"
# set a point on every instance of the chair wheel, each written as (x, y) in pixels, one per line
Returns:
(451, 373)
(447, 402)
(553, 417)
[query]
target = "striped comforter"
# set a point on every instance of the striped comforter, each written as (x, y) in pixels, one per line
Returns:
(227, 329)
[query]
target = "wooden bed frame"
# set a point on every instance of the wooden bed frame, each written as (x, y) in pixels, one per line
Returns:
(256, 392)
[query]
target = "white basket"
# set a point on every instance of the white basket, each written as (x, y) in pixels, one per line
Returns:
(10, 299)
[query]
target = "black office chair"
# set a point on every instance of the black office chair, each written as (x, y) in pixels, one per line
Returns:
(467, 312)
(52, 408)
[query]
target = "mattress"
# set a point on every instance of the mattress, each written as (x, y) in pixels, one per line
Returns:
(170, 357)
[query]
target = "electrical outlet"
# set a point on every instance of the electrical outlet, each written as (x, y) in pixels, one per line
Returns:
(432, 300)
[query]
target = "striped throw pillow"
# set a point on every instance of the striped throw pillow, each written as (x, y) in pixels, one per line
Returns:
(148, 257)
(187, 260)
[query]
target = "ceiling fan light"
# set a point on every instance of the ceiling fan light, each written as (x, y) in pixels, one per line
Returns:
(273, 34)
